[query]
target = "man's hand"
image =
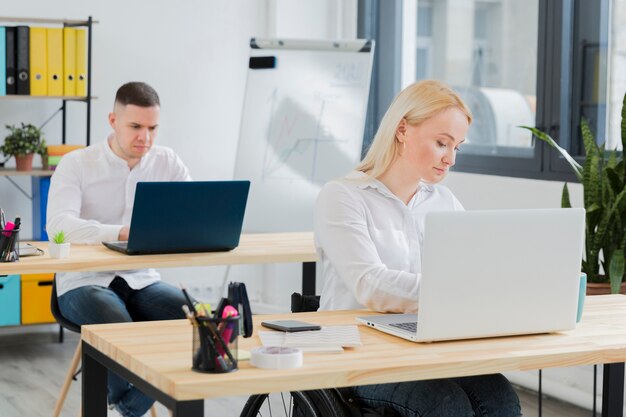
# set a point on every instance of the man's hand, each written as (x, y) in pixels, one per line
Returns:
(124, 231)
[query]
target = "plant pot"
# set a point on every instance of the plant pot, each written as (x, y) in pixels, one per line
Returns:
(600, 288)
(24, 162)
(59, 250)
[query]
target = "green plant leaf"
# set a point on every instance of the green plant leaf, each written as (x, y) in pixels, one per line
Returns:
(624, 123)
(565, 202)
(22, 140)
(611, 161)
(616, 270)
(59, 237)
(615, 179)
(591, 147)
(546, 138)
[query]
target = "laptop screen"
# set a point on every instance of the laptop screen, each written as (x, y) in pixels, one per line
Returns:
(188, 216)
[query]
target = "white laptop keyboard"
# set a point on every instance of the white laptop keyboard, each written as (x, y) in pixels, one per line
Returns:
(408, 326)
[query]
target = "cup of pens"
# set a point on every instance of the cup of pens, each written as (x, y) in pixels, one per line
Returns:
(214, 348)
(9, 244)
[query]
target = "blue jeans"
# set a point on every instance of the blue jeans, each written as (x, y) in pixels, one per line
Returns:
(119, 303)
(474, 396)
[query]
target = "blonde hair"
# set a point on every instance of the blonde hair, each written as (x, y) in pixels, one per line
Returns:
(416, 103)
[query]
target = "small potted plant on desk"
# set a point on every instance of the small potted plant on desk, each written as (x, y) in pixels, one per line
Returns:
(22, 143)
(58, 247)
(603, 177)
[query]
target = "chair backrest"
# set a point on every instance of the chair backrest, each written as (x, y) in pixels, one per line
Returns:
(56, 311)
(302, 303)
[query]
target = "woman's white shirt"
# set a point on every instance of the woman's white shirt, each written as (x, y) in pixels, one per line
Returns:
(369, 243)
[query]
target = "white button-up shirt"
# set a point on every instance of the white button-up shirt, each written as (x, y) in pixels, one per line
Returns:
(91, 198)
(369, 242)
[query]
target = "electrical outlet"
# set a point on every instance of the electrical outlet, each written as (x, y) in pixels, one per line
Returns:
(194, 291)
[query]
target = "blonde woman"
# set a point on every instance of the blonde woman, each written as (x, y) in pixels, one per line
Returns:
(369, 229)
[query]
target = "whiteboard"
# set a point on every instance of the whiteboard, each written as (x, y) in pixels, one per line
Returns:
(302, 125)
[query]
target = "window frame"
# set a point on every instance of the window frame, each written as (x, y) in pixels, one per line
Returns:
(559, 29)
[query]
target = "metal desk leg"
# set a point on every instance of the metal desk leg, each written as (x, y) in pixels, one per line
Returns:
(94, 386)
(188, 409)
(308, 278)
(613, 390)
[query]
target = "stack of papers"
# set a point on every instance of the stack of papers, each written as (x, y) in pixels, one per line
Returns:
(328, 339)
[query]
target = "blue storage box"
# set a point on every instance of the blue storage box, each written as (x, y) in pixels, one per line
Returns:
(9, 300)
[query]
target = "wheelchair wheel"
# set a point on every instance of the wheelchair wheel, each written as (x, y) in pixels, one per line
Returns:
(317, 403)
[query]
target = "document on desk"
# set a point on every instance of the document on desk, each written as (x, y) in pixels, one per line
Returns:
(328, 339)
(26, 249)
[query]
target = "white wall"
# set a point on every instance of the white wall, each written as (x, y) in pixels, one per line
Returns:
(195, 55)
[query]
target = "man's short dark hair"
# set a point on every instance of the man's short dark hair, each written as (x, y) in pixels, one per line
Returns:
(137, 93)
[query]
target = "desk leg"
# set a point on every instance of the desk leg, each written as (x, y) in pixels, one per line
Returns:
(94, 386)
(189, 409)
(613, 390)
(308, 278)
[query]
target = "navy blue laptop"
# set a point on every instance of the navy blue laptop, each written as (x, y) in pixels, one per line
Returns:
(187, 216)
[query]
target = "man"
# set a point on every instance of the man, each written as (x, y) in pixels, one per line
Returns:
(91, 199)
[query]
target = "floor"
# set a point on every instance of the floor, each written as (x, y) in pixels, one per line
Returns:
(33, 367)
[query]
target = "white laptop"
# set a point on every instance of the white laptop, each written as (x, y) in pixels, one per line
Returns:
(494, 273)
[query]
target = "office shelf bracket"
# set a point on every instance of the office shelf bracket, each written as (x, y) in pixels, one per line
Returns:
(19, 187)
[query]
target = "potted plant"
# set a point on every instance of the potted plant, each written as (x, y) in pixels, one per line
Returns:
(22, 143)
(58, 247)
(603, 177)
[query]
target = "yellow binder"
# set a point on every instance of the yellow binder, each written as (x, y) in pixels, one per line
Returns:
(55, 61)
(81, 62)
(69, 61)
(38, 62)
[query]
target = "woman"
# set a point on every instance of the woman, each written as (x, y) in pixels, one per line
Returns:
(369, 229)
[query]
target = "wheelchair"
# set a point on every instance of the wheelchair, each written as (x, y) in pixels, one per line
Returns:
(335, 402)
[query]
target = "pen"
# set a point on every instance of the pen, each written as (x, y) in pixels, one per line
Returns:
(189, 302)
(11, 251)
(220, 349)
(227, 330)
(7, 229)
(197, 357)
(204, 339)
(5, 240)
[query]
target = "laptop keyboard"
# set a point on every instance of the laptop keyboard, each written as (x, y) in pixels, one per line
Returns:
(408, 326)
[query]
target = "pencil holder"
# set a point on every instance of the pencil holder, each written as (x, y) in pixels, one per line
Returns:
(214, 347)
(9, 242)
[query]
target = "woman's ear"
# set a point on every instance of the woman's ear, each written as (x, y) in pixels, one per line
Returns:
(401, 130)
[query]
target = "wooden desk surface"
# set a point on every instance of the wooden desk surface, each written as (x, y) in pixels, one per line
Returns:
(253, 249)
(160, 353)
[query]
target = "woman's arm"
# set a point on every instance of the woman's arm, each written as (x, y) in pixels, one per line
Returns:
(342, 233)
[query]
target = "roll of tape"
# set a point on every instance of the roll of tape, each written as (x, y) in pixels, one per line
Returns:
(276, 357)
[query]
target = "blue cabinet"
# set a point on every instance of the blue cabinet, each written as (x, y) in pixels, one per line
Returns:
(9, 300)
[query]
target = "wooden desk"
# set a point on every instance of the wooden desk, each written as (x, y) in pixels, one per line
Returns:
(156, 357)
(253, 249)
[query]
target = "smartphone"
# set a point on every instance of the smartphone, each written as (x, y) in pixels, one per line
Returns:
(290, 325)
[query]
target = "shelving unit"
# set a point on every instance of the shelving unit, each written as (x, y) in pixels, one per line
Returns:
(33, 305)
(87, 99)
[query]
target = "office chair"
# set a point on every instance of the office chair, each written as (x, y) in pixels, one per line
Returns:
(73, 370)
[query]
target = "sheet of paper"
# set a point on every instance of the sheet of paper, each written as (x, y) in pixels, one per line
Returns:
(329, 338)
(346, 336)
(278, 339)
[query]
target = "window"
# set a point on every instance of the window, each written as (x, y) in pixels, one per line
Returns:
(541, 63)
